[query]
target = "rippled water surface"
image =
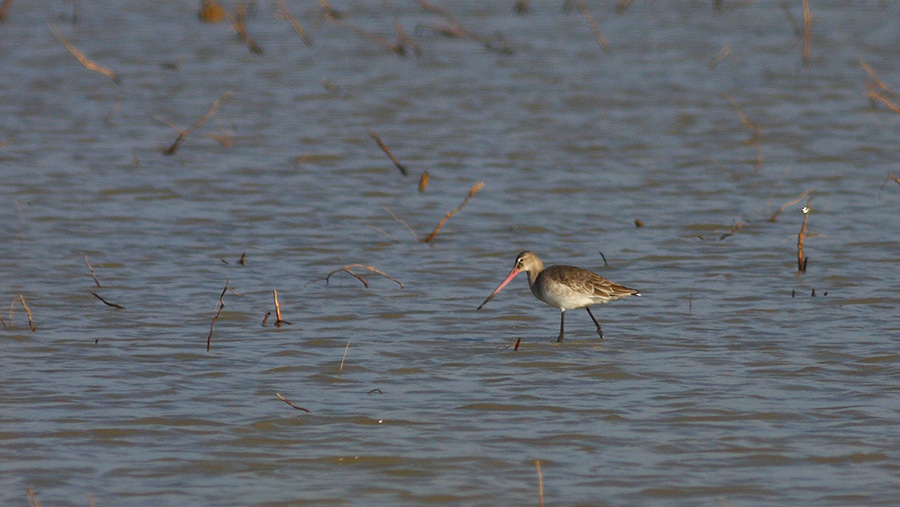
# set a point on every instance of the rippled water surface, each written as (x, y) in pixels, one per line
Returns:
(733, 379)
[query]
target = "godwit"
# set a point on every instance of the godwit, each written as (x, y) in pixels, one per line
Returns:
(565, 287)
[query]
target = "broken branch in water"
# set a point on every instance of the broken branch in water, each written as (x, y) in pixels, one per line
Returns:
(801, 260)
(475, 188)
(96, 281)
(221, 305)
(184, 133)
(593, 24)
(282, 398)
(349, 267)
(278, 321)
(285, 14)
(88, 64)
(390, 155)
(790, 203)
(107, 303)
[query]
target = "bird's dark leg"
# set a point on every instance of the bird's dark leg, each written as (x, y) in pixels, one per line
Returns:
(599, 330)
(562, 320)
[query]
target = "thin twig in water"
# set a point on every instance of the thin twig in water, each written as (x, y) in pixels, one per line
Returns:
(184, 133)
(237, 21)
(457, 30)
(537, 464)
(518, 341)
(268, 313)
(284, 13)
(282, 398)
(347, 269)
(96, 281)
(755, 131)
(390, 155)
(593, 24)
(221, 305)
(341, 369)
(404, 223)
(788, 204)
(88, 64)
(331, 15)
(33, 500)
(107, 303)
(475, 188)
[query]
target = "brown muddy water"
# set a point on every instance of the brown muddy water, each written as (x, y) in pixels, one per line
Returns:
(727, 382)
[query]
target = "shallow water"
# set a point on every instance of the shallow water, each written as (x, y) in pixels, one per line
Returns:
(726, 380)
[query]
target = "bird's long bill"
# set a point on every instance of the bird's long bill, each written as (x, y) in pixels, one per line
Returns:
(512, 274)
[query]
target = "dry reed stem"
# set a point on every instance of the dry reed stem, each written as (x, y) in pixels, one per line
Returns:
(404, 39)
(390, 155)
(807, 29)
(798, 28)
(3, 322)
(107, 303)
(801, 260)
(284, 13)
(33, 500)
(266, 318)
(475, 188)
(184, 133)
(88, 64)
(333, 16)
(282, 398)
(348, 267)
(877, 80)
(537, 464)
(889, 177)
(593, 24)
(341, 369)
(788, 204)
(27, 311)
(237, 21)
(221, 305)
(518, 341)
(243, 259)
(423, 181)
(875, 96)
(96, 281)
(457, 30)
